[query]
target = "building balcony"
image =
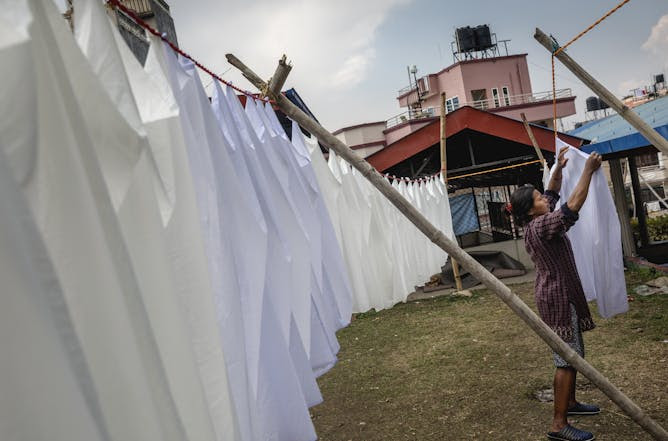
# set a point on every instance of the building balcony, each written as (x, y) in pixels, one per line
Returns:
(537, 106)
(497, 104)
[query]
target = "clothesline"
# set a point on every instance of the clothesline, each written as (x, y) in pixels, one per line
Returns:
(430, 177)
(129, 12)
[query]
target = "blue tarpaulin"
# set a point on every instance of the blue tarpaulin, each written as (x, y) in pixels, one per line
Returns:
(614, 134)
(464, 217)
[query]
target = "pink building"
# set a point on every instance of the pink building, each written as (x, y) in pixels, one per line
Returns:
(499, 84)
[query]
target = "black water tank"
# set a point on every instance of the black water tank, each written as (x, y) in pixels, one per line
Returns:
(466, 39)
(602, 104)
(592, 104)
(483, 37)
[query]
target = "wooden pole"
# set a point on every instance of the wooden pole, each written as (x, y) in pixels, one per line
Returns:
(444, 173)
(533, 140)
(444, 158)
(639, 206)
(629, 115)
(628, 243)
(477, 270)
(278, 79)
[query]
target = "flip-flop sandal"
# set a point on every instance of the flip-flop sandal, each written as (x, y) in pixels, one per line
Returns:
(584, 409)
(570, 433)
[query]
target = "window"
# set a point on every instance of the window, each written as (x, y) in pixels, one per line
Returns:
(479, 98)
(452, 104)
(647, 159)
(495, 96)
(506, 96)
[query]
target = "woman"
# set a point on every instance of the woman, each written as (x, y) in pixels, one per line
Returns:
(559, 295)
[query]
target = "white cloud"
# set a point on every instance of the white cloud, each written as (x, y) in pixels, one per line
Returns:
(658, 38)
(657, 43)
(331, 43)
(353, 70)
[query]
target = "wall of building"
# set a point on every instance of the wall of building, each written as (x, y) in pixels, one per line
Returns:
(540, 112)
(449, 81)
(368, 151)
(397, 132)
(511, 72)
(362, 134)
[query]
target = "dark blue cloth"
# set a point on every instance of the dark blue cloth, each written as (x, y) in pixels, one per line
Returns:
(464, 217)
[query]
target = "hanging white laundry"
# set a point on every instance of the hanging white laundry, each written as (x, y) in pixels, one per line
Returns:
(149, 245)
(595, 238)
(46, 383)
(332, 274)
(325, 318)
(73, 209)
(286, 407)
(385, 254)
(323, 345)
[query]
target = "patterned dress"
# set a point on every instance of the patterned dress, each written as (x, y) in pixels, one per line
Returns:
(558, 284)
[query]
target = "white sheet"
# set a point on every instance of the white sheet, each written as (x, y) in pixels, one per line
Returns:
(596, 238)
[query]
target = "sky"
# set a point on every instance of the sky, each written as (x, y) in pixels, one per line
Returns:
(349, 56)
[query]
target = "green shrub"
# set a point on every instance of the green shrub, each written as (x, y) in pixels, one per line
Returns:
(657, 227)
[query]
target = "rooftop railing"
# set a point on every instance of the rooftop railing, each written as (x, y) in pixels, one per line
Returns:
(491, 104)
(516, 100)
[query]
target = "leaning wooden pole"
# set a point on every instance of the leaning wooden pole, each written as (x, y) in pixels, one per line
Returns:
(629, 115)
(527, 127)
(444, 173)
(478, 271)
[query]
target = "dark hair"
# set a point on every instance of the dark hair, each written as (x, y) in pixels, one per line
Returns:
(521, 202)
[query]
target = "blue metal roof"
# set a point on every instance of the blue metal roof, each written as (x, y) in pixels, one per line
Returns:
(614, 134)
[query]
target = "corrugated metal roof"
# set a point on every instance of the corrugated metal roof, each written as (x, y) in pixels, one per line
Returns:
(613, 133)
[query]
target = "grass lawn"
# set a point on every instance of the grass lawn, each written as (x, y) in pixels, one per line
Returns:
(467, 368)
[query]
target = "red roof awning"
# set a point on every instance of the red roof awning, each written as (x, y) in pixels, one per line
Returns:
(465, 118)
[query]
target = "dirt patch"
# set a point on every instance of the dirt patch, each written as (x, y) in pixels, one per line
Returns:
(467, 368)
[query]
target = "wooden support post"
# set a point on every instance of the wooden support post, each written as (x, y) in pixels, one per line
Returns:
(477, 270)
(278, 79)
(539, 153)
(628, 243)
(637, 196)
(629, 115)
(444, 158)
(475, 204)
(444, 172)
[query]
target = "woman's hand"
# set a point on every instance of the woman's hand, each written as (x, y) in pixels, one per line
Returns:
(562, 160)
(593, 162)
(579, 194)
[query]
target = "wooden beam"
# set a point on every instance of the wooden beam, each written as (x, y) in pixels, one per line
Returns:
(637, 197)
(629, 115)
(278, 79)
(478, 271)
(444, 173)
(619, 194)
(444, 159)
(533, 140)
